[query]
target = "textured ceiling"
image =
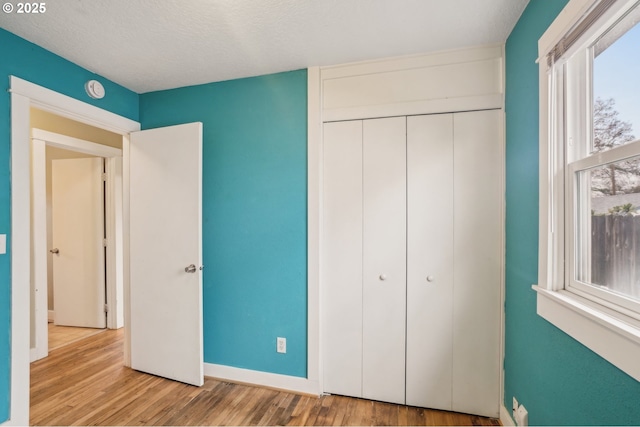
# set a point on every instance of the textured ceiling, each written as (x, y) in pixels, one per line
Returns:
(148, 45)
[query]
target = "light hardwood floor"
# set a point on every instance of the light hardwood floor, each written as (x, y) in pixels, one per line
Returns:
(62, 335)
(85, 383)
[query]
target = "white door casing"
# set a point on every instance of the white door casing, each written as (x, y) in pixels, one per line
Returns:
(78, 235)
(165, 202)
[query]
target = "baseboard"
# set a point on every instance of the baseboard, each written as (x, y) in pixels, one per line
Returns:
(50, 316)
(33, 355)
(505, 416)
(263, 379)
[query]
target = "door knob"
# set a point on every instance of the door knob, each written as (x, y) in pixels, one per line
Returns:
(190, 268)
(430, 279)
(55, 251)
(383, 277)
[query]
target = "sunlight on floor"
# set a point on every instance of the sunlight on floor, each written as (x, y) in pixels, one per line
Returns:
(62, 335)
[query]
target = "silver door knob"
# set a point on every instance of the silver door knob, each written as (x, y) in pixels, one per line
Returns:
(383, 277)
(55, 251)
(190, 268)
(430, 279)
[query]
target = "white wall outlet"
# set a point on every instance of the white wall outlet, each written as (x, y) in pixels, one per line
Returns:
(522, 416)
(281, 346)
(3, 244)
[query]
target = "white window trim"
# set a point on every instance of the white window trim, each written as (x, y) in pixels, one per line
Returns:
(609, 333)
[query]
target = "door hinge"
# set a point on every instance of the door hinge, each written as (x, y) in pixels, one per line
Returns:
(106, 308)
(104, 242)
(104, 177)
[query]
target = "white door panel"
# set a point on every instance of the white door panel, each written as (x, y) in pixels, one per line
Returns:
(429, 260)
(165, 238)
(384, 259)
(342, 257)
(78, 231)
(478, 223)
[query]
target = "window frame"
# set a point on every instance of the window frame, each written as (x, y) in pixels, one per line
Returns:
(610, 299)
(604, 325)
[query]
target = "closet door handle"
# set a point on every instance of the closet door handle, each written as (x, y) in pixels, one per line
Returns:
(55, 251)
(430, 279)
(383, 277)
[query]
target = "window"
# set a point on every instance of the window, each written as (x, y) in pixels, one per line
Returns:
(589, 272)
(603, 167)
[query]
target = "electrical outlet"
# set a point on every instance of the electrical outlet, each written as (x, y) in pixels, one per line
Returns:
(281, 346)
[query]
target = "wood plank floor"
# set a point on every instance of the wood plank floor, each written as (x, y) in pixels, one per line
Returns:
(85, 383)
(62, 335)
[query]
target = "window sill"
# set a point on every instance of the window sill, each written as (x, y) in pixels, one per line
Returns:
(611, 335)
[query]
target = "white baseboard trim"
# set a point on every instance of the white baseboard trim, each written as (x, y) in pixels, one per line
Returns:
(264, 379)
(33, 354)
(50, 316)
(505, 416)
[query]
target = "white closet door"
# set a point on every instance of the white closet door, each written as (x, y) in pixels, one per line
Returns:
(384, 259)
(478, 223)
(342, 258)
(430, 261)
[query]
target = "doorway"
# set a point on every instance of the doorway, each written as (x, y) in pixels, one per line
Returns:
(25, 95)
(170, 145)
(77, 276)
(57, 149)
(77, 242)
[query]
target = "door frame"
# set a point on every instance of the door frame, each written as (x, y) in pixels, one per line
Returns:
(25, 95)
(113, 226)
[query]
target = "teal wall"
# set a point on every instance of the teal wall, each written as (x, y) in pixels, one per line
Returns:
(254, 225)
(30, 62)
(254, 214)
(254, 202)
(559, 381)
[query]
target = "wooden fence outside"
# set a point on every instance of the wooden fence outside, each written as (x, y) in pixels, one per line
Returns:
(615, 253)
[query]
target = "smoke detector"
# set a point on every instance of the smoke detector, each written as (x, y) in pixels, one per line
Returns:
(94, 89)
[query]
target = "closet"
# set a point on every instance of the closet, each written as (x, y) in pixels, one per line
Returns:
(412, 224)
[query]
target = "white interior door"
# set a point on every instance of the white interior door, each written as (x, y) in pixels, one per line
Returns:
(478, 225)
(342, 257)
(166, 252)
(384, 259)
(77, 212)
(430, 260)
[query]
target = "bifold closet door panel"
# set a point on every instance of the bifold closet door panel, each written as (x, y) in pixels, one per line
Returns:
(384, 259)
(429, 261)
(478, 227)
(342, 258)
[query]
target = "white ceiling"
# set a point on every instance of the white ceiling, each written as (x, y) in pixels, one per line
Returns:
(148, 45)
